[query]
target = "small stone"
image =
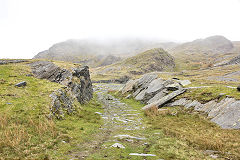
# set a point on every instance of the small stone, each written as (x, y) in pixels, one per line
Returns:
(128, 96)
(141, 154)
(117, 145)
(213, 156)
(184, 82)
(29, 75)
(21, 84)
(238, 88)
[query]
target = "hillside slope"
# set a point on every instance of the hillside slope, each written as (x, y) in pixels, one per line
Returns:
(151, 60)
(209, 45)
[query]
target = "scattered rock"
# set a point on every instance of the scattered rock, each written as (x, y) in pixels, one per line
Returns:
(21, 84)
(117, 145)
(11, 61)
(129, 137)
(142, 154)
(29, 75)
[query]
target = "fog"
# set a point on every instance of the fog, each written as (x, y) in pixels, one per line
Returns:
(28, 27)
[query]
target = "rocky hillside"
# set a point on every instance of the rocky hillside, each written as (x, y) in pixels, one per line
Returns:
(98, 53)
(151, 60)
(209, 45)
(155, 59)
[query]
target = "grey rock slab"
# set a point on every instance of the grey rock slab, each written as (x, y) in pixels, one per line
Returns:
(123, 136)
(217, 109)
(173, 87)
(229, 118)
(154, 87)
(21, 84)
(142, 154)
(194, 103)
(145, 80)
(140, 96)
(180, 102)
(207, 107)
(165, 99)
(129, 86)
(184, 82)
(158, 96)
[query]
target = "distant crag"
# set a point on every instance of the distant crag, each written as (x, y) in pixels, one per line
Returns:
(209, 45)
(77, 82)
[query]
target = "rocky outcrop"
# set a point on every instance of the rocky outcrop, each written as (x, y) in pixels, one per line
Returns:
(77, 82)
(225, 113)
(152, 90)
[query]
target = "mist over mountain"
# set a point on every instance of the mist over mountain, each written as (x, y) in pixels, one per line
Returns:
(213, 44)
(90, 51)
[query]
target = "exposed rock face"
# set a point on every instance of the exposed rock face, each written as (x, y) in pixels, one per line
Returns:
(77, 81)
(225, 113)
(61, 103)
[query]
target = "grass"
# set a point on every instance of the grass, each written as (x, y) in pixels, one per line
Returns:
(164, 138)
(198, 132)
(25, 130)
(178, 126)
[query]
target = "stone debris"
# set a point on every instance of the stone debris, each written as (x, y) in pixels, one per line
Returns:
(142, 154)
(21, 84)
(117, 145)
(123, 136)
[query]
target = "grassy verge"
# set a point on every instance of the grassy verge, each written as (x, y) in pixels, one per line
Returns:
(25, 130)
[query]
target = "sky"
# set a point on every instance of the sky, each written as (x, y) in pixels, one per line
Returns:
(30, 26)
